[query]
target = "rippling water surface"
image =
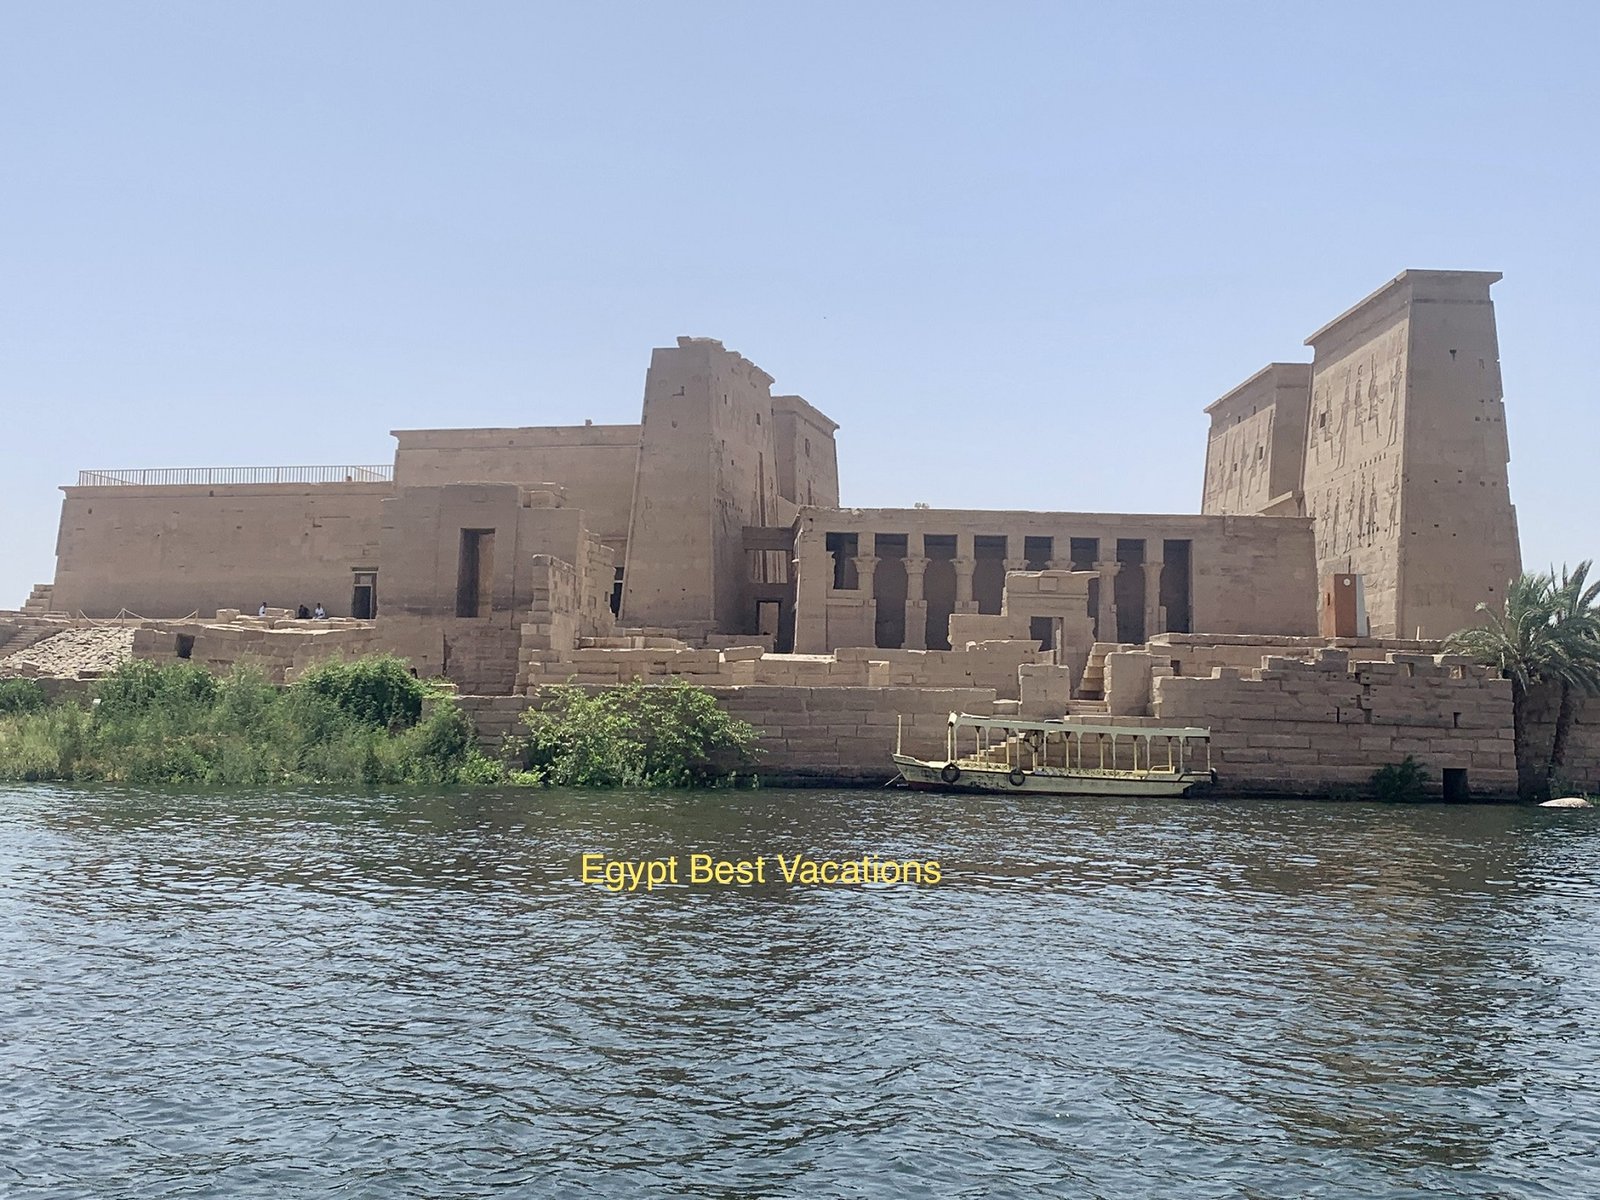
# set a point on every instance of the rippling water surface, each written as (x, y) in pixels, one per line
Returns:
(301, 994)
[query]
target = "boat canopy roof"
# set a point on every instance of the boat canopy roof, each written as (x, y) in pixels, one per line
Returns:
(1013, 725)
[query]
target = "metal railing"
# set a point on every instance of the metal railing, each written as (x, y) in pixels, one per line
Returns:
(212, 476)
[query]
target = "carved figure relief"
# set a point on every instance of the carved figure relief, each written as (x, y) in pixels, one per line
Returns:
(1396, 385)
(1360, 405)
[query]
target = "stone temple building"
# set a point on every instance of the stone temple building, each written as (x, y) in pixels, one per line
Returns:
(1355, 511)
(716, 520)
(1393, 441)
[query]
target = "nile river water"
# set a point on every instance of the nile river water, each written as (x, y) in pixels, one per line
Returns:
(414, 995)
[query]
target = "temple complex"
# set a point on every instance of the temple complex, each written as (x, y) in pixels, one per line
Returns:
(1349, 502)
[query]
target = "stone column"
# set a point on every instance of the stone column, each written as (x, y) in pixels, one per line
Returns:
(916, 603)
(1106, 629)
(1154, 621)
(964, 567)
(813, 575)
(866, 569)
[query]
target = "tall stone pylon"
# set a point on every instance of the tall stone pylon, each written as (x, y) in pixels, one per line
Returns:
(1404, 469)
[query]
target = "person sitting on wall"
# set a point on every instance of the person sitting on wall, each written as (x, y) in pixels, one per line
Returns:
(262, 611)
(302, 613)
(319, 612)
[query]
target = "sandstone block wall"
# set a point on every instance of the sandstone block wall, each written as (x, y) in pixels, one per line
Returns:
(807, 458)
(707, 469)
(1198, 654)
(1405, 460)
(169, 551)
(1256, 442)
(593, 466)
(1302, 727)
(809, 735)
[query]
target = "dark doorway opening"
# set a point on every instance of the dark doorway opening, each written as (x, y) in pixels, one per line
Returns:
(1456, 790)
(769, 614)
(1038, 551)
(474, 573)
(616, 592)
(1084, 553)
(1129, 590)
(364, 596)
(1175, 589)
(183, 645)
(843, 547)
(939, 588)
(989, 572)
(889, 591)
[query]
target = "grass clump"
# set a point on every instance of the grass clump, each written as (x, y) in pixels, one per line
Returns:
(344, 722)
(1401, 782)
(673, 735)
(20, 695)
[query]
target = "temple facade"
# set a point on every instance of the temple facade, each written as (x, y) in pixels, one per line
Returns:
(717, 519)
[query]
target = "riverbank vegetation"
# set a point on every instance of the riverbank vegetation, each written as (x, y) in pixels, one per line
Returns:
(340, 722)
(674, 735)
(369, 721)
(1546, 635)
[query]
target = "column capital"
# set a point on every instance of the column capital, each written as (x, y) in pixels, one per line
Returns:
(1016, 564)
(915, 564)
(964, 566)
(1108, 566)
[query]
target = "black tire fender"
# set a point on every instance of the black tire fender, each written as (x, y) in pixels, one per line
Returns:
(949, 772)
(1018, 777)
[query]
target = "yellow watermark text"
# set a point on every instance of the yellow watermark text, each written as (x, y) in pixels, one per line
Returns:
(710, 870)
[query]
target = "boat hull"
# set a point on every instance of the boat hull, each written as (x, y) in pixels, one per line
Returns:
(975, 777)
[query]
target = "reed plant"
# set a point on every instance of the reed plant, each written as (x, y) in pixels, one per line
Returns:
(359, 722)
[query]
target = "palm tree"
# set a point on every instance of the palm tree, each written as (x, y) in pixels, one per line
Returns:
(1547, 634)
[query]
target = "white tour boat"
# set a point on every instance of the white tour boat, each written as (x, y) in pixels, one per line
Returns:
(1062, 758)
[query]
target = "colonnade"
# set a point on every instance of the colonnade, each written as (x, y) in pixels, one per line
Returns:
(1151, 617)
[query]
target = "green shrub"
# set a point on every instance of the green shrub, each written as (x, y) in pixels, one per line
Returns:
(672, 735)
(140, 684)
(379, 690)
(356, 722)
(1401, 782)
(20, 696)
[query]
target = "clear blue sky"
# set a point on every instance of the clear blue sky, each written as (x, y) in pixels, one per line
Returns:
(1013, 249)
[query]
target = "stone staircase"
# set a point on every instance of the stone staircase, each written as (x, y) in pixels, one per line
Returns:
(1093, 686)
(20, 630)
(38, 601)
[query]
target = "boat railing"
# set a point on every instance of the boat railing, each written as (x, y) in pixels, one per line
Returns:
(1099, 748)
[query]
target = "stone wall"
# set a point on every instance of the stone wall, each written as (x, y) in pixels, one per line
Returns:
(1255, 445)
(169, 551)
(991, 666)
(1405, 461)
(1198, 653)
(807, 458)
(1299, 727)
(706, 470)
(592, 465)
(811, 735)
(279, 648)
